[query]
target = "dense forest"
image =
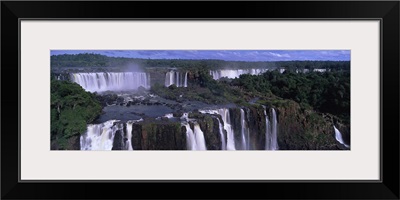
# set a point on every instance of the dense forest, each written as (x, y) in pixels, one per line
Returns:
(72, 108)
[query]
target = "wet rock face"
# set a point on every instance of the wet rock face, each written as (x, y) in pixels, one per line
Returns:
(160, 135)
(304, 130)
(210, 128)
(136, 136)
(256, 123)
(118, 143)
(236, 126)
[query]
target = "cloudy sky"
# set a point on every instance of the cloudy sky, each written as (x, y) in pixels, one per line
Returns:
(229, 55)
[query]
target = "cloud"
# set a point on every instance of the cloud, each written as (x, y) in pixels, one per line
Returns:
(280, 55)
(229, 55)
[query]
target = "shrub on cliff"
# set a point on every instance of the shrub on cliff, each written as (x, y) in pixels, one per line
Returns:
(71, 109)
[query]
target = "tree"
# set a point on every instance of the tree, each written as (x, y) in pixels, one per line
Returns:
(72, 108)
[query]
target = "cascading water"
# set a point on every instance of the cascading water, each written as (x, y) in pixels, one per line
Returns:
(271, 131)
(185, 82)
(221, 133)
(339, 138)
(267, 131)
(114, 81)
(200, 141)
(99, 136)
(244, 131)
(177, 78)
(128, 142)
(190, 138)
(235, 73)
(274, 131)
(194, 138)
(224, 112)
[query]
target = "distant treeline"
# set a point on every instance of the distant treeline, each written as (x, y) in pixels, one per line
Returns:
(97, 60)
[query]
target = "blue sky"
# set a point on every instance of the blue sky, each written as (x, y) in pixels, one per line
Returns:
(229, 55)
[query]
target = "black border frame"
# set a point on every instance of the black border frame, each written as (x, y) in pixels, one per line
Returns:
(387, 12)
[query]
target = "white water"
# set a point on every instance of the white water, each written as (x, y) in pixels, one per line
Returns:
(128, 143)
(194, 138)
(169, 115)
(271, 131)
(200, 141)
(99, 136)
(190, 138)
(339, 138)
(114, 81)
(224, 112)
(222, 135)
(268, 133)
(245, 130)
(274, 131)
(177, 78)
(235, 73)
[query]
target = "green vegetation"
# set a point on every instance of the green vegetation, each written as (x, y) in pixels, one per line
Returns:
(325, 92)
(71, 109)
(97, 60)
(204, 89)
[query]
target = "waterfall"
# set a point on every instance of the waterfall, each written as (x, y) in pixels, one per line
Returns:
(185, 82)
(194, 138)
(190, 138)
(274, 131)
(267, 131)
(245, 131)
(235, 73)
(224, 112)
(99, 136)
(114, 81)
(177, 78)
(200, 141)
(221, 133)
(339, 138)
(128, 143)
(271, 131)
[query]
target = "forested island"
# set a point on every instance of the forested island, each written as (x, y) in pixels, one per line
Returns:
(114, 103)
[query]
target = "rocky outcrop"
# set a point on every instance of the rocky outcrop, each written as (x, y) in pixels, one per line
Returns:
(210, 127)
(256, 123)
(236, 126)
(158, 135)
(301, 129)
(118, 141)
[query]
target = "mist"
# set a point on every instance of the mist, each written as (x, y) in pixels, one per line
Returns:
(132, 67)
